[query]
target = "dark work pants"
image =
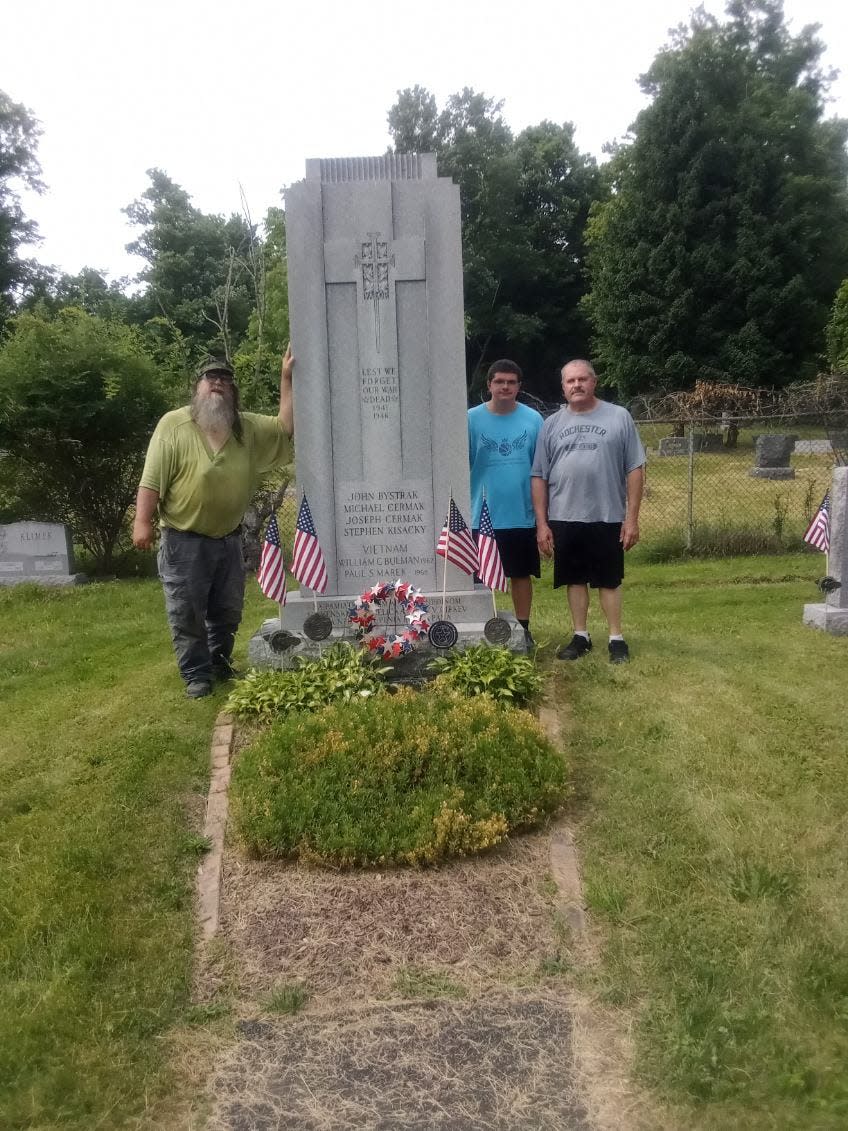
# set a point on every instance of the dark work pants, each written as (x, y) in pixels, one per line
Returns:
(203, 579)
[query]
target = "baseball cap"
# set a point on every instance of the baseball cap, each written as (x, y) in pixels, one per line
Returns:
(215, 365)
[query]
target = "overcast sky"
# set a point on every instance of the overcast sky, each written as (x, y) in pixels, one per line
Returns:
(219, 95)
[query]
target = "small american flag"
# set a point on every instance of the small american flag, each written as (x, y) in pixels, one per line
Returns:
(490, 570)
(308, 564)
(818, 532)
(456, 543)
(272, 568)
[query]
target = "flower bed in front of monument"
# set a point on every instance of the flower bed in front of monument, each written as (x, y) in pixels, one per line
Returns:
(411, 778)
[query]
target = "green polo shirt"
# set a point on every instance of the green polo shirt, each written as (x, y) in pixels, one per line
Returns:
(204, 491)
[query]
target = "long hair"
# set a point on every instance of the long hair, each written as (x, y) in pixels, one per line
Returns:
(238, 431)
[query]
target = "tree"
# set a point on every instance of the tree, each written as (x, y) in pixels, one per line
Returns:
(414, 122)
(524, 205)
(79, 398)
(19, 133)
(51, 291)
(257, 360)
(197, 286)
(727, 231)
(837, 331)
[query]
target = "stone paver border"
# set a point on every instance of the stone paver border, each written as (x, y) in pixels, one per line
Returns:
(215, 826)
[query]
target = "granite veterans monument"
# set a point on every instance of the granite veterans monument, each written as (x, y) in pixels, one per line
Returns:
(376, 312)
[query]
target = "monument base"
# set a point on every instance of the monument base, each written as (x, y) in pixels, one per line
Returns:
(772, 472)
(279, 646)
(828, 618)
(52, 580)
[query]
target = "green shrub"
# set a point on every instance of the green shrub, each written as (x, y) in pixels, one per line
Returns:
(340, 673)
(496, 672)
(405, 779)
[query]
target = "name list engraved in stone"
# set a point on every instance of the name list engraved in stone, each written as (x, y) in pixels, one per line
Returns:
(385, 533)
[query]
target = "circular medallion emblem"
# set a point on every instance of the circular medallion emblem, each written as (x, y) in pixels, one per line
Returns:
(317, 626)
(497, 630)
(443, 634)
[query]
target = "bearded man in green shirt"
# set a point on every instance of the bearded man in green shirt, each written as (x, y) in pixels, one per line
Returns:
(203, 464)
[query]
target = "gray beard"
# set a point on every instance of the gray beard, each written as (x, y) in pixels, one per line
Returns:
(212, 413)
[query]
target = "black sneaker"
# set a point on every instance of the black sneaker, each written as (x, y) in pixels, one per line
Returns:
(619, 653)
(529, 642)
(223, 670)
(198, 689)
(578, 646)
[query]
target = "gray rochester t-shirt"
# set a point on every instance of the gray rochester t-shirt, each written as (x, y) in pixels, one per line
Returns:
(586, 457)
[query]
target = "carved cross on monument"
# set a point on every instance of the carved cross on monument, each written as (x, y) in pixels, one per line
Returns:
(375, 263)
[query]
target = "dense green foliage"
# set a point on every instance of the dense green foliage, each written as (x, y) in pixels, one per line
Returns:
(725, 238)
(197, 285)
(19, 166)
(79, 398)
(341, 673)
(257, 359)
(837, 331)
(406, 779)
(495, 672)
(525, 201)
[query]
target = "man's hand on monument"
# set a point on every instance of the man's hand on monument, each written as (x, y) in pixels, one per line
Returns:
(287, 367)
(629, 533)
(286, 412)
(142, 535)
(545, 539)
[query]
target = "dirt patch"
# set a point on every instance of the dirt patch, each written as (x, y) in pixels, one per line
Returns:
(347, 936)
(499, 1063)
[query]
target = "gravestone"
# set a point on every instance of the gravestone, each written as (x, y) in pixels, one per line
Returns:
(376, 314)
(40, 552)
(701, 442)
(832, 614)
(773, 451)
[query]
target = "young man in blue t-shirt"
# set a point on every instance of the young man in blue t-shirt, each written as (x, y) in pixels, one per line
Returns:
(502, 438)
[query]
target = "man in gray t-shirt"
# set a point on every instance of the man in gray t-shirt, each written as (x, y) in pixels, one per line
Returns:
(587, 482)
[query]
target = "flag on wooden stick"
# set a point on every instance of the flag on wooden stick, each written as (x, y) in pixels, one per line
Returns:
(272, 568)
(308, 564)
(818, 532)
(490, 569)
(455, 541)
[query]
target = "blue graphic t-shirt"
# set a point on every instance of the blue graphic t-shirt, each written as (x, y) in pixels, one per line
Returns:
(501, 450)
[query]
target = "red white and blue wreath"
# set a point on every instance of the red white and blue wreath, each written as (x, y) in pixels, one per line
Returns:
(362, 617)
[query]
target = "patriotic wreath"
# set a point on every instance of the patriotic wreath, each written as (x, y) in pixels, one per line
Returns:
(362, 616)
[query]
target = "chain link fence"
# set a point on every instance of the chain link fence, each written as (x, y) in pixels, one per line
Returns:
(734, 484)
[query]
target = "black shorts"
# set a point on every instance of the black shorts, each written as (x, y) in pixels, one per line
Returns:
(588, 553)
(518, 549)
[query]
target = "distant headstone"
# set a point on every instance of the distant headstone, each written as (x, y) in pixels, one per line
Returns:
(701, 442)
(376, 313)
(812, 447)
(772, 458)
(832, 613)
(40, 552)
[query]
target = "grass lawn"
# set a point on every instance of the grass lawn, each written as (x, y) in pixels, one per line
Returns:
(102, 773)
(712, 789)
(711, 793)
